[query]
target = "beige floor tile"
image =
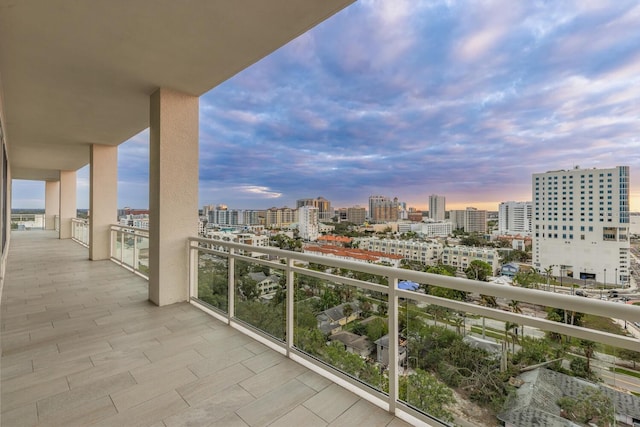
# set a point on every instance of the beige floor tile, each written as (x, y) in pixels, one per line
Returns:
(218, 406)
(26, 415)
(331, 402)
(363, 413)
(68, 400)
(273, 377)
(299, 416)
(82, 415)
(273, 405)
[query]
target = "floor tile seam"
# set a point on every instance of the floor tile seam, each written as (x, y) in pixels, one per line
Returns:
(163, 392)
(337, 416)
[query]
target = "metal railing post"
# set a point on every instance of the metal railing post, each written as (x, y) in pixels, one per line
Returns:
(193, 269)
(289, 318)
(121, 247)
(393, 344)
(231, 295)
(135, 253)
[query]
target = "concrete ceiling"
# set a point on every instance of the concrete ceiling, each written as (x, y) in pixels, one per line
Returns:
(75, 73)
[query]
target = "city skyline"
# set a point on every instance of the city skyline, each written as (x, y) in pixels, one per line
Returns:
(408, 99)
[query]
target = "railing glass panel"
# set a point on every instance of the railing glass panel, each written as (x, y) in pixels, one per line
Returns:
(213, 281)
(440, 349)
(130, 248)
(260, 296)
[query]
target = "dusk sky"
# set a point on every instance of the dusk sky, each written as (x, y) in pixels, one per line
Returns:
(410, 98)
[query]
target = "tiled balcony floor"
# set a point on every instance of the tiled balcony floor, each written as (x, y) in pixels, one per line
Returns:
(81, 345)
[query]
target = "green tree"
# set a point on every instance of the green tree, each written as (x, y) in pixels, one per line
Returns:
(478, 270)
(629, 355)
(424, 391)
(472, 239)
(377, 328)
(590, 407)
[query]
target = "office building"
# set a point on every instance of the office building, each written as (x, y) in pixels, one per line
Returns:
(436, 207)
(581, 223)
(514, 218)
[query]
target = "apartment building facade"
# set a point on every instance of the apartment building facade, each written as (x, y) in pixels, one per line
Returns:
(581, 223)
(428, 253)
(514, 218)
(461, 256)
(325, 211)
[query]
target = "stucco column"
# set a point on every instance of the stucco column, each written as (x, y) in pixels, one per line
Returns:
(68, 204)
(103, 199)
(51, 204)
(173, 193)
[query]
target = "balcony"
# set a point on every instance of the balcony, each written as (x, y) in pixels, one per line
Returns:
(82, 345)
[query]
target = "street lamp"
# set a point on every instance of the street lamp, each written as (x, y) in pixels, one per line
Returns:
(616, 277)
(604, 283)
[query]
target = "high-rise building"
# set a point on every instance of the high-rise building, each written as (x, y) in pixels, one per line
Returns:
(308, 222)
(514, 218)
(581, 223)
(436, 207)
(325, 212)
(383, 209)
(475, 220)
(470, 220)
(356, 215)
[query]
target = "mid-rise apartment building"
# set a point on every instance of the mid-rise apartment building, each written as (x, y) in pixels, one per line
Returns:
(514, 218)
(356, 215)
(461, 256)
(428, 253)
(435, 229)
(436, 207)
(280, 217)
(581, 223)
(226, 216)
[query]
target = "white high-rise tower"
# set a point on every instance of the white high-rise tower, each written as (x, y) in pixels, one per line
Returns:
(581, 223)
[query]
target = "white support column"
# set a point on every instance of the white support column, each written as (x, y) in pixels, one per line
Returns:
(68, 204)
(173, 193)
(103, 199)
(51, 204)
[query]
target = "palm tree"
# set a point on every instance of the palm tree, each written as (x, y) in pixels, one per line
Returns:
(548, 272)
(508, 328)
(458, 321)
(515, 306)
(589, 349)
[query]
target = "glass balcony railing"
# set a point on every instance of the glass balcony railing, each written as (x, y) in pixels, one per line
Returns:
(452, 350)
(80, 231)
(130, 248)
(23, 222)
